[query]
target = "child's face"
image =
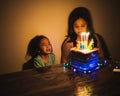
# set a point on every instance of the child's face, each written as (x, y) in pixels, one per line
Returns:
(79, 26)
(45, 46)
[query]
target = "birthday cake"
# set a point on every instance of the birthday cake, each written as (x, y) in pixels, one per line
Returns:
(84, 61)
(84, 57)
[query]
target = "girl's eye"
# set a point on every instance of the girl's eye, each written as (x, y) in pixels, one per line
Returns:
(82, 25)
(79, 26)
(76, 26)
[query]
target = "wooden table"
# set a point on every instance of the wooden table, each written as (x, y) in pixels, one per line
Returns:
(58, 81)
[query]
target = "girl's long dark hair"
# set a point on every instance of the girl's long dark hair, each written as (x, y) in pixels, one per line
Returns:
(80, 12)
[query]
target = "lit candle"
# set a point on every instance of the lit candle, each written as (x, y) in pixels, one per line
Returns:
(87, 35)
(84, 36)
(81, 37)
(82, 41)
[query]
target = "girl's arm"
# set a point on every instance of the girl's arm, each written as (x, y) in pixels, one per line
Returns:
(66, 51)
(99, 45)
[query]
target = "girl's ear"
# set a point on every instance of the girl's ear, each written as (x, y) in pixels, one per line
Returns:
(39, 51)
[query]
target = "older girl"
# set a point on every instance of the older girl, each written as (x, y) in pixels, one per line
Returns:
(79, 21)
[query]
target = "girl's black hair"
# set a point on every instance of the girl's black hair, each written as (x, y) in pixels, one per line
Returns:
(33, 48)
(80, 12)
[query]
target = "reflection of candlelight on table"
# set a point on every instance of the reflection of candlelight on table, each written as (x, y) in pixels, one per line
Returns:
(82, 90)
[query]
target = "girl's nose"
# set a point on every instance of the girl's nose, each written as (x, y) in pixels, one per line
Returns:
(79, 29)
(47, 46)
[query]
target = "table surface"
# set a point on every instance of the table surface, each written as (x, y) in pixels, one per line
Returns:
(58, 81)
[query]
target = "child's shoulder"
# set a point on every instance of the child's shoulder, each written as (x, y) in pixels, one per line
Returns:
(67, 42)
(52, 54)
(67, 39)
(38, 57)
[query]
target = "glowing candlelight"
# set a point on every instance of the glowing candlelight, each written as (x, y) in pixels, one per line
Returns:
(84, 40)
(87, 35)
(83, 36)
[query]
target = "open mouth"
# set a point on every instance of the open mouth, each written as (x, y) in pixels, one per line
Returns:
(48, 50)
